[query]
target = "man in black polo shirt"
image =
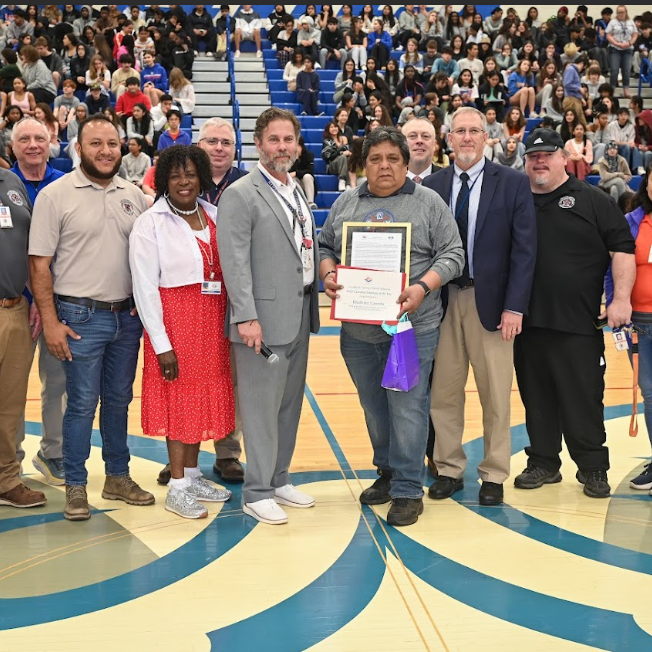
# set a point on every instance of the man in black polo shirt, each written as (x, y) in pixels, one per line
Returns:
(559, 357)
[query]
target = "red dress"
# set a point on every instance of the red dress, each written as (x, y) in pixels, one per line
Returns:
(199, 405)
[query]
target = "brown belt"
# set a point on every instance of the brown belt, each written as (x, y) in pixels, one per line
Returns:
(10, 303)
(113, 306)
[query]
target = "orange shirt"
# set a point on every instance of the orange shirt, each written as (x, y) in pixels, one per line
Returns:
(642, 292)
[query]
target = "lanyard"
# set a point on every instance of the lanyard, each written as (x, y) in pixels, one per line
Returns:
(221, 187)
(460, 205)
(207, 253)
(297, 214)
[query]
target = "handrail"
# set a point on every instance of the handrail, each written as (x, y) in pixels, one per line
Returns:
(238, 135)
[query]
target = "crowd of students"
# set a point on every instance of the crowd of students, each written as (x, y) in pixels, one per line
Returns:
(562, 71)
(62, 65)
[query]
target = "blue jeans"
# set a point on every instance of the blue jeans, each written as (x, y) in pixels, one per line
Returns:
(397, 421)
(103, 367)
(645, 372)
(620, 60)
(632, 155)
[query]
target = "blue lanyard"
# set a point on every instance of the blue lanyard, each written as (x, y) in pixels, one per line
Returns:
(460, 205)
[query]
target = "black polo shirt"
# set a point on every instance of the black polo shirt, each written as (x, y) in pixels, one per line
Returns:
(577, 225)
(213, 195)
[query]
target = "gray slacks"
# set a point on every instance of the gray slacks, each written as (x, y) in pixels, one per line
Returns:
(270, 399)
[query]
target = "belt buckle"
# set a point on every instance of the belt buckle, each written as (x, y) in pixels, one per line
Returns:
(115, 306)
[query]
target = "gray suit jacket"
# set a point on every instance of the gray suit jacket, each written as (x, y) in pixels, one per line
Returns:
(262, 268)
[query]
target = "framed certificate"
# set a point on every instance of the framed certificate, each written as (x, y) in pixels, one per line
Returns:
(383, 246)
(368, 296)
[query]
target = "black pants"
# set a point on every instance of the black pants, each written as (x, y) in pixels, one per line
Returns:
(380, 52)
(561, 381)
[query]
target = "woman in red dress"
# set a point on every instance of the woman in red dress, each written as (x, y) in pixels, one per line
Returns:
(187, 392)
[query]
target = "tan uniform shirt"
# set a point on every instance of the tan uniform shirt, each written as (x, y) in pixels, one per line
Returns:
(86, 229)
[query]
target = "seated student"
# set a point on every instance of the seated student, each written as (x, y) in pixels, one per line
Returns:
(332, 44)
(153, 78)
(141, 127)
(411, 56)
(492, 94)
(136, 163)
(286, 43)
(97, 101)
(429, 59)
(335, 153)
(494, 134)
(148, 185)
(79, 114)
(635, 105)
(466, 88)
(447, 65)
(182, 91)
(125, 105)
(247, 28)
(440, 85)
(159, 115)
(510, 157)
(303, 172)
(623, 133)
(379, 43)
(599, 134)
(521, 89)
(554, 106)
(173, 135)
(409, 94)
(580, 153)
(514, 126)
(122, 74)
(308, 88)
(643, 139)
(65, 104)
(593, 80)
(614, 172)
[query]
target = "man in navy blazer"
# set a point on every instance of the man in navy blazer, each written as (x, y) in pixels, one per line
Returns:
(495, 214)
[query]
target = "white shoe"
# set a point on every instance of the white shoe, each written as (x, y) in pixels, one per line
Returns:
(640, 170)
(534, 115)
(266, 511)
(259, 54)
(399, 48)
(237, 54)
(341, 185)
(273, 46)
(289, 495)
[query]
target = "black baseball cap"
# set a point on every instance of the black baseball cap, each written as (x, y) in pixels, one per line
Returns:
(543, 140)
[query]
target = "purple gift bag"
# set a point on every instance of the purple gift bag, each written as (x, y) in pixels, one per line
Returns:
(402, 369)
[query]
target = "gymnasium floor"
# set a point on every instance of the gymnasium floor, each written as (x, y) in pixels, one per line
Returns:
(549, 570)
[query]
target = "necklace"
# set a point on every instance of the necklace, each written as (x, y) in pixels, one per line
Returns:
(178, 211)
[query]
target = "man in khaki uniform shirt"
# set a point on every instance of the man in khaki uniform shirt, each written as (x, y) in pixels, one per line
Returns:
(80, 229)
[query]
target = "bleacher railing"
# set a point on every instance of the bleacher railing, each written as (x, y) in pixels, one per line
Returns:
(238, 136)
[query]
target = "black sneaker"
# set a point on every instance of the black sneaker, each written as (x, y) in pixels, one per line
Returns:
(404, 511)
(378, 493)
(595, 483)
(643, 481)
(445, 487)
(535, 476)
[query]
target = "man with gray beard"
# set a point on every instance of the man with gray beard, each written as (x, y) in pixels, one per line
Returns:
(268, 252)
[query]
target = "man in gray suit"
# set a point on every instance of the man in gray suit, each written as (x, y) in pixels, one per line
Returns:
(268, 248)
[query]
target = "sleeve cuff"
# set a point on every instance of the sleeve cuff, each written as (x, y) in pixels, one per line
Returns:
(160, 343)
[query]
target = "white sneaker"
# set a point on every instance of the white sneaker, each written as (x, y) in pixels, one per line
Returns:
(289, 495)
(399, 48)
(237, 54)
(640, 170)
(266, 511)
(341, 185)
(534, 115)
(259, 54)
(273, 46)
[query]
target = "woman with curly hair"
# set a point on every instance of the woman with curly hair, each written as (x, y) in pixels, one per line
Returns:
(187, 394)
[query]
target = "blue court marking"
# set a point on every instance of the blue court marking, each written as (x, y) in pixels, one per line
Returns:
(31, 520)
(599, 628)
(327, 330)
(319, 610)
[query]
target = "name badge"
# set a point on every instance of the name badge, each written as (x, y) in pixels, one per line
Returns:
(620, 340)
(5, 218)
(211, 287)
(306, 259)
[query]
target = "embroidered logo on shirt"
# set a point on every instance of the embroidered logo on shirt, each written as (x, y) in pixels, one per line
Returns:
(567, 202)
(379, 215)
(128, 207)
(14, 196)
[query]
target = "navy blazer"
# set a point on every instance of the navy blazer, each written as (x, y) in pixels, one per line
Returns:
(505, 242)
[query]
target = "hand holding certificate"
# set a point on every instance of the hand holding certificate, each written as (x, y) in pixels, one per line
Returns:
(367, 296)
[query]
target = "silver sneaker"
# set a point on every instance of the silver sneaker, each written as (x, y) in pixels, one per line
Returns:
(199, 489)
(185, 505)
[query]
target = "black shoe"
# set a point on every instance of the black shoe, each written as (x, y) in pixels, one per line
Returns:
(378, 493)
(445, 487)
(491, 494)
(229, 469)
(165, 475)
(404, 511)
(595, 483)
(535, 476)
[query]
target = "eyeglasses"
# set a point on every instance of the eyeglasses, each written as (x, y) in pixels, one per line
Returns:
(474, 132)
(214, 142)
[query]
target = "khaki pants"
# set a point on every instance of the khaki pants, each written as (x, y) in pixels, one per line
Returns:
(464, 340)
(16, 353)
(576, 105)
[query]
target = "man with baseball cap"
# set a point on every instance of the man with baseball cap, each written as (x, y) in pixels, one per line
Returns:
(559, 357)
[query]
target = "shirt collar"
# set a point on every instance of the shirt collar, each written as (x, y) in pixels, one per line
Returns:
(477, 169)
(275, 182)
(80, 180)
(161, 206)
(423, 175)
(406, 189)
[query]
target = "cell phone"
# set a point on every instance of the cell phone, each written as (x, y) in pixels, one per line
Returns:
(600, 323)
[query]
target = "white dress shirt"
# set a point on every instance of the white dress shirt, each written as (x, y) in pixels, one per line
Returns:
(286, 190)
(163, 253)
(426, 173)
(476, 175)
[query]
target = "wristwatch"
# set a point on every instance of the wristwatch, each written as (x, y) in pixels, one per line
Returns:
(425, 287)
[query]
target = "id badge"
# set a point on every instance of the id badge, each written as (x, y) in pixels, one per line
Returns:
(211, 287)
(5, 218)
(620, 340)
(306, 259)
